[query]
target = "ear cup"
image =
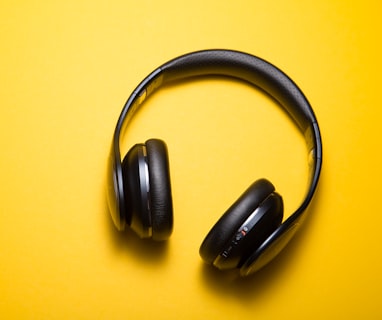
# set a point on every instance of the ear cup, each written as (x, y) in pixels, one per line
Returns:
(160, 189)
(223, 234)
(252, 233)
(136, 187)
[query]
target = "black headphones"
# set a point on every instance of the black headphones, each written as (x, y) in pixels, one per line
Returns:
(251, 232)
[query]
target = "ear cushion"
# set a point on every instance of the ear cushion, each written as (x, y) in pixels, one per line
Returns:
(233, 218)
(160, 189)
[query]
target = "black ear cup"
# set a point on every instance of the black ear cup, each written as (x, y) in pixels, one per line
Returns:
(136, 190)
(243, 227)
(147, 187)
(160, 189)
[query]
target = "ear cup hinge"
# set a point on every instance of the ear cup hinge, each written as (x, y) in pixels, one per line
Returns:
(145, 190)
(137, 185)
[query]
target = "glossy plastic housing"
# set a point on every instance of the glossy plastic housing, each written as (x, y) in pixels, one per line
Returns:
(240, 66)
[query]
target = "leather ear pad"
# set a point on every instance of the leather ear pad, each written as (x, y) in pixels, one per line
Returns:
(233, 218)
(160, 189)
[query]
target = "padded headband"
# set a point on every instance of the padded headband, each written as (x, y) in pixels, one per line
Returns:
(237, 65)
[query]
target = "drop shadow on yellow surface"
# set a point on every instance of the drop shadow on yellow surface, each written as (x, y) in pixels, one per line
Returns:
(248, 288)
(128, 243)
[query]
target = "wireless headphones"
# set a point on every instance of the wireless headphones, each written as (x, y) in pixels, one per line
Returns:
(251, 232)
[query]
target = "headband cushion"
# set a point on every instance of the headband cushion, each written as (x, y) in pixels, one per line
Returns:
(249, 68)
(233, 218)
(160, 189)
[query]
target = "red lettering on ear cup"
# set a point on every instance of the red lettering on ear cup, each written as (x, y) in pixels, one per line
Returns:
(252, 233)
(226, 229)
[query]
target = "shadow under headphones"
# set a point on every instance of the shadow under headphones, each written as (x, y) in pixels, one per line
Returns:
(251, 232)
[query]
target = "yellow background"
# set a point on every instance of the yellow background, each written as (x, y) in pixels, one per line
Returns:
(66, 69)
